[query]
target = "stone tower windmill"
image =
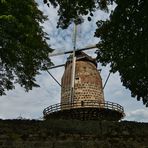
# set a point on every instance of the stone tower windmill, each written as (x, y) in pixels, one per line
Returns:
(85, 101)
(88, 82)
(82, 92)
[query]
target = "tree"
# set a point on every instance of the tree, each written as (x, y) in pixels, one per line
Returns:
(124, 44)
(73, 10)
(23, 47)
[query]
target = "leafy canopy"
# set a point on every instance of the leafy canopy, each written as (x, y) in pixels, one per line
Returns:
(124, 44)
(73, 10)
(23, 47)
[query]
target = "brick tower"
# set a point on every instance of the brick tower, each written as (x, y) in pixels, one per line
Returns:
(88, 82)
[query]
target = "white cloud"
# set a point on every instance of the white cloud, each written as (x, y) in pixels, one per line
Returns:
(140, 115)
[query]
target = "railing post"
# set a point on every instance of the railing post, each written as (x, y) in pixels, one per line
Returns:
(82, 103)
(112, 105)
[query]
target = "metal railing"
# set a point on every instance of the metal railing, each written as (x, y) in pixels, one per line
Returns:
(83, 104)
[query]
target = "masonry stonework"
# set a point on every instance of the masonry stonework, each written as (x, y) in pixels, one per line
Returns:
(88, 82)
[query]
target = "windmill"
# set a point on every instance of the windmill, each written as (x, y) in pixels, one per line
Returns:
(81, 89)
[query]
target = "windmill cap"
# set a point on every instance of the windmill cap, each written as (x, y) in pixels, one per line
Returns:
(81, 56)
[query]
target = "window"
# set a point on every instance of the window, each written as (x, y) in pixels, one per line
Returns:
(77, 78)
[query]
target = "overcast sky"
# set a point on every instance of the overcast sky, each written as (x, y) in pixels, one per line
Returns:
(30, 105)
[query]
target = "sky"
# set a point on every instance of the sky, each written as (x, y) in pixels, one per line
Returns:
(30, 104)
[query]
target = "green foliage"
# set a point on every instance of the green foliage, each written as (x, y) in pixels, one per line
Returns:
(73, 10)
(124, 44)
(23, 47)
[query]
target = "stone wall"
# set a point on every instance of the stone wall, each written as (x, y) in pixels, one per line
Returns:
(72, 134)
